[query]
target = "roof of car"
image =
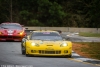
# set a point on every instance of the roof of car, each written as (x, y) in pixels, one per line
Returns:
(44, 31)
(10, 23)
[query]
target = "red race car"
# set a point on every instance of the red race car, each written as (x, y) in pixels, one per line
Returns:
(11, 31)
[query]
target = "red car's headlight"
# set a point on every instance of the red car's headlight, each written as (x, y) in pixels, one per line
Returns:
(21, 33)
(1, 33)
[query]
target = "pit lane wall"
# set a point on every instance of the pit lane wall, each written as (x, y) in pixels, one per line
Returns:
(65, 29)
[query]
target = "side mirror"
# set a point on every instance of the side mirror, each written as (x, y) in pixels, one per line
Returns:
(22, 25)
(26, 28)
(26, 37)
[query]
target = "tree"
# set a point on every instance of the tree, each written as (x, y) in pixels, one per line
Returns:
(66, 13)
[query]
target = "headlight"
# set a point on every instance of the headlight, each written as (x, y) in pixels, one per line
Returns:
(34, 44)
(1, 33)
(21, 33)
(64, 45)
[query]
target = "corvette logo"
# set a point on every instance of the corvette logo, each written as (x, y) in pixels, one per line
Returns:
(49, 48)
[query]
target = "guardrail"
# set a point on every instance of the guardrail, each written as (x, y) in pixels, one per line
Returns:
(66, 29)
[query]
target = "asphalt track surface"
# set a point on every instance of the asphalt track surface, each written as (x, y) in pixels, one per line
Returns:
(74, 37)
(10, 54)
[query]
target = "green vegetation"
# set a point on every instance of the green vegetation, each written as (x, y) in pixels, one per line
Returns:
(89, 34)
(53, 13)
(93, 49)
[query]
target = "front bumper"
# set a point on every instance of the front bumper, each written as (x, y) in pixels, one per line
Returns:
(14, 38)
(52, 52)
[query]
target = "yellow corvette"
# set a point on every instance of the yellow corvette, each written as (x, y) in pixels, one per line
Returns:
(46, 43)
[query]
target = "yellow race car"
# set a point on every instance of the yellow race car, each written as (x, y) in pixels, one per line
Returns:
(46, 43)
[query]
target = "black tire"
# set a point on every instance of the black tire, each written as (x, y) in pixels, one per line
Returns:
(27, 55)
(69, 56)
(23, 51)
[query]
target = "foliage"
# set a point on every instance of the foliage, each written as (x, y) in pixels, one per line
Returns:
(59, 13)
(88, 49)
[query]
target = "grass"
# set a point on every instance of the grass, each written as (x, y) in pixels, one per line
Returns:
(90, 48)
(89, 34)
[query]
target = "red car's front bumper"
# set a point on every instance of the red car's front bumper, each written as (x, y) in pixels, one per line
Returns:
(14, 38)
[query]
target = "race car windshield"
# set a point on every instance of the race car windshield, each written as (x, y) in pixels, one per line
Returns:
(11, 27)
(46, 36)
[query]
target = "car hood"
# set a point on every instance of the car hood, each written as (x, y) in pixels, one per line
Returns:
(10, 31)
(48, 43)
